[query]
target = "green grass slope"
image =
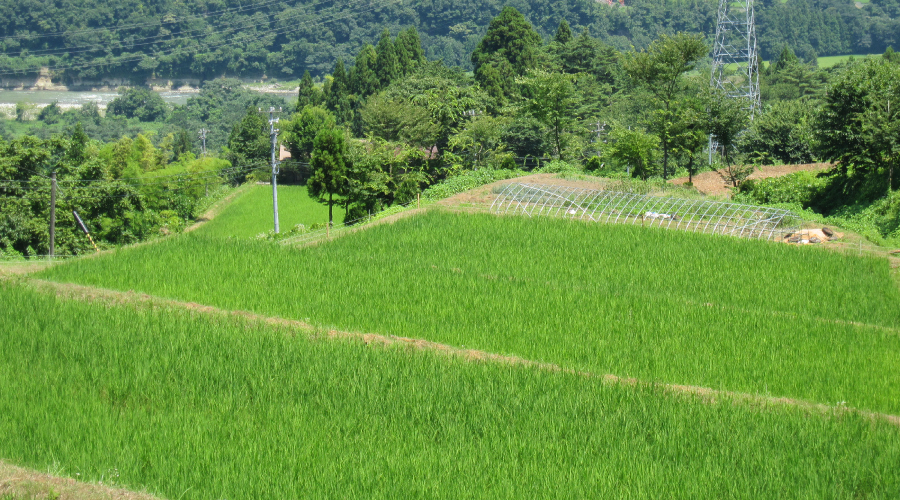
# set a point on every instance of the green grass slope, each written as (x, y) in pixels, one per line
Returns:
(192, 406)
(657, 305)
(251, 214)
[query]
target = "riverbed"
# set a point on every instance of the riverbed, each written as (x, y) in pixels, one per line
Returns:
(68, 99)
(73, 99)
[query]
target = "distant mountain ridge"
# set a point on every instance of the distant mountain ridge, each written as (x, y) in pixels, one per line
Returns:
(81, 40)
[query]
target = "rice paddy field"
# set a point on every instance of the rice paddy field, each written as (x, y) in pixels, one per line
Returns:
(186, 405)
(799, 347)
(251, 214)
(656, 305)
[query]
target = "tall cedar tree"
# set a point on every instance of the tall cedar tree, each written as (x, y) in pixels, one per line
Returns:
(308, 94)
(330, 165)
(409, 48)
(337, 98)
(509, 49)
(563, 33)
(365, 80)
(386, 65)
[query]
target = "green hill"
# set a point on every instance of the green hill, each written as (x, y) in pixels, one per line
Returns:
(184, 41)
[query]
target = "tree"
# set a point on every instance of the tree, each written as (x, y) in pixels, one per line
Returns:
(563, 33)
(249, 143)
(782, 133)
(510, 47)
(691, 137)
(381, 173)
(300, 132)
(140, 103)
(387, 65)
(182, 144)
(409, 50)
(552, 99)
(481, 141)
(728, 117)
(632, 149)
(394, 119)
(337, 98)
(858, 126)
(50, 114)
(661, 70)
(891, 56)
(308, 94)
(365, 80)
(330, 167)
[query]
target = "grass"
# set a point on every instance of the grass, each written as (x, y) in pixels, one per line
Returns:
(657, 305)
(188, 405)
(829, 61)
(251, 214)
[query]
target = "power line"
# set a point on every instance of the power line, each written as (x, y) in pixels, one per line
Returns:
(278, 31)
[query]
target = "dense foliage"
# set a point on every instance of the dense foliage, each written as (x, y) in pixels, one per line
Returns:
(168, 39)
(125, 191)
(406, 122)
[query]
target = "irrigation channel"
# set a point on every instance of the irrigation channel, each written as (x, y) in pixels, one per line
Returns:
(705, 216)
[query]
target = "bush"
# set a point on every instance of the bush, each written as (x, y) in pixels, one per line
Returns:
(593, 164)
(143, 104)
(801, 188)
(468, 180)
(558, 167)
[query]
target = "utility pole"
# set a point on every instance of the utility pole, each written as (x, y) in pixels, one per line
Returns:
(52, 214)
(203, 133)
(273, 132)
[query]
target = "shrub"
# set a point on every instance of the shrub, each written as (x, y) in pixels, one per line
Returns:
(800, 187)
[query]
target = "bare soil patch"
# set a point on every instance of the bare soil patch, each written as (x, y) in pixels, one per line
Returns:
(20, 483)
(714, 183)
(293, 327)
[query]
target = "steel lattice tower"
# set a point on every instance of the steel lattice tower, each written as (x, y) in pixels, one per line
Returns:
(735, 69)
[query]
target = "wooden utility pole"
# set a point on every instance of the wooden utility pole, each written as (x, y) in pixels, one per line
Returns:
(52, 213)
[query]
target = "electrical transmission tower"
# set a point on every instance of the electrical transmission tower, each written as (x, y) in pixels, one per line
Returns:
(735, 66)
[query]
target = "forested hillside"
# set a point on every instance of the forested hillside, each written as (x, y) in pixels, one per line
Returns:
(202, 39)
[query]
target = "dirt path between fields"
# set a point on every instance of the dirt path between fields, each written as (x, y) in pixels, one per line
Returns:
(113, 297)
(18, 483)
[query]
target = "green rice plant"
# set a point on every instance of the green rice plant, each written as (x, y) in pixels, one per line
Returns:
(251, 214)
(656, 305)
(197, 406)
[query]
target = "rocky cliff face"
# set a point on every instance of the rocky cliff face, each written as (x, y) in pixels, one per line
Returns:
(46, 81)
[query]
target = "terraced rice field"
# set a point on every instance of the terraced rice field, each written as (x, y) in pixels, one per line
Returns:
(189, 404)
(251, 214)
(658, 306)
